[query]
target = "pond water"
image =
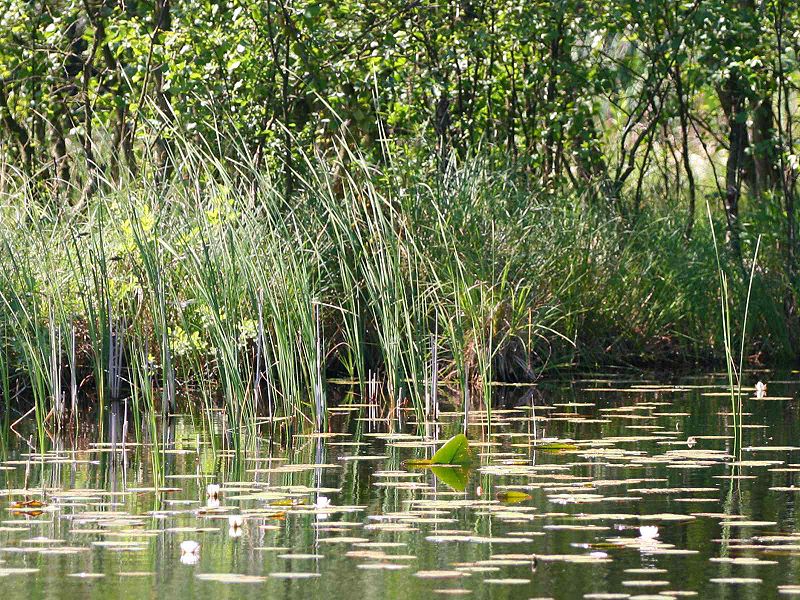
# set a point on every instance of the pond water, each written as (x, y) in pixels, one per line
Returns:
(648, 495)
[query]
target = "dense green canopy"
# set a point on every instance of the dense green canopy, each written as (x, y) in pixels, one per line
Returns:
(603, 94)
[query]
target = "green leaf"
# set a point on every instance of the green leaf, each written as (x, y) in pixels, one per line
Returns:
(455, 477)
(454, 452)
(556, 447)
(512, 496)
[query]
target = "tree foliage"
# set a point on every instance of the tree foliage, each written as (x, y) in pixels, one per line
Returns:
(618, 99)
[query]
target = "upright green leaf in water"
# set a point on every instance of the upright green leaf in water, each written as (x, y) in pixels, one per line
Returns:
(454, 452)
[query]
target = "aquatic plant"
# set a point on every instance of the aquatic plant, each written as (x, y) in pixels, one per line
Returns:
(216, 285)
(734, 368)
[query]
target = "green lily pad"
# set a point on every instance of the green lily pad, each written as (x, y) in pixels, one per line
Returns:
(454, 452)
(512, 496)
(417, 462)
(555, 447)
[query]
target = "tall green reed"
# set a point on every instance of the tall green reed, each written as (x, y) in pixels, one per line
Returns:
(214, 284)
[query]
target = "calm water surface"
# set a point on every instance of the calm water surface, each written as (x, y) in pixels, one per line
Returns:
(650, 497)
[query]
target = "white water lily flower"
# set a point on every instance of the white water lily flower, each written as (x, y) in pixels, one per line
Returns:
(190, 547)
(235, 521)
(648, 532)
(235, 532)
(190, 559)
(761, 390)
(322, 504)
(212, 490)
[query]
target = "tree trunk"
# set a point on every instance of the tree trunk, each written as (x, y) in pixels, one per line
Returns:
(163, 22)
(765, 152)
(687, 165)
(733, 102)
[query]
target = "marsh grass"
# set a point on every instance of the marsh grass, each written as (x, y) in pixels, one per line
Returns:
(216, 286)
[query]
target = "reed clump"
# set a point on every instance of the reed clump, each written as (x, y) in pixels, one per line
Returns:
(219, 287)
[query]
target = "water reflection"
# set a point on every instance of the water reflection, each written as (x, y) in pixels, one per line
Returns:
(602, 485)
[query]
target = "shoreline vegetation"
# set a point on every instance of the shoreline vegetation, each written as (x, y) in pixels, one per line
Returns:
(218, 286)
(239, 204)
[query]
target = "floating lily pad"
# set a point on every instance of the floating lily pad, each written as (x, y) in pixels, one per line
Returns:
(230, 578)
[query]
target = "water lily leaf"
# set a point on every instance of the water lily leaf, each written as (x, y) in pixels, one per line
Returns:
(418, 462)
(288, 502)
(27, 504)
(512, 496)
(455, 477)
(454, 452)
(230, 578)
(556, 446)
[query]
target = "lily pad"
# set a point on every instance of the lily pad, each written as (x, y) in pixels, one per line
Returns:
(512, 497)
(454, 452)
(556, 447)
